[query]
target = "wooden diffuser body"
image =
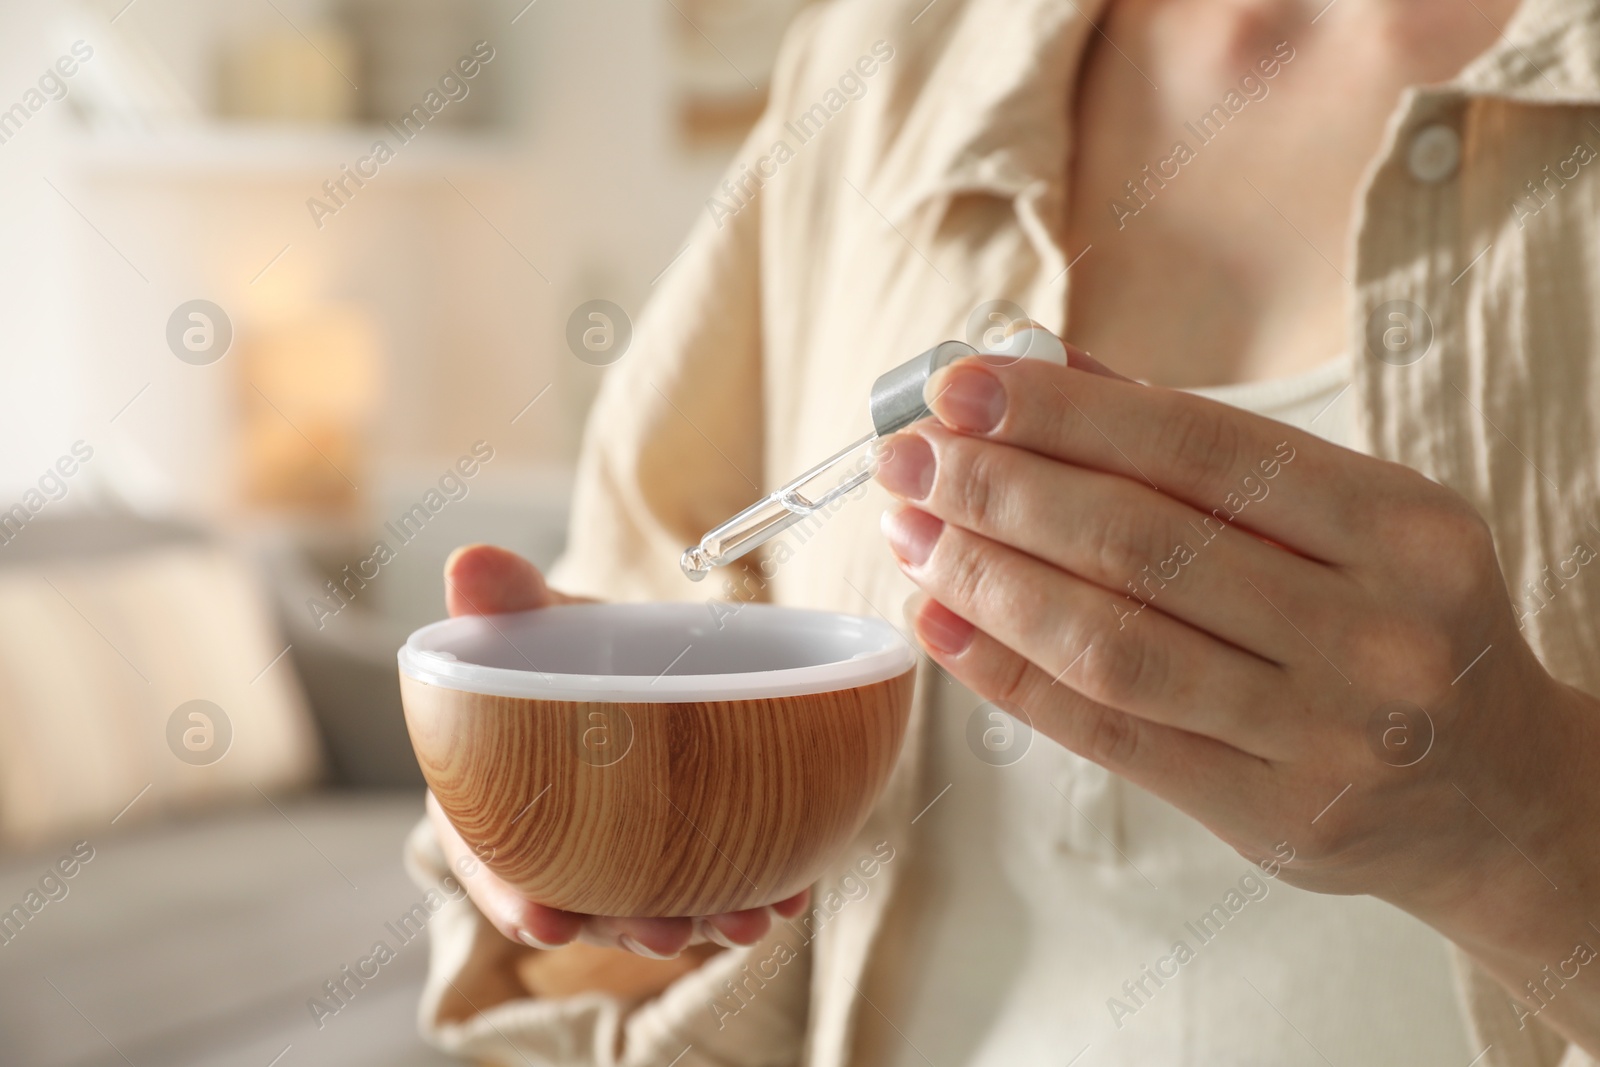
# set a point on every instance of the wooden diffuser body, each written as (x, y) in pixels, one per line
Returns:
(658, 809)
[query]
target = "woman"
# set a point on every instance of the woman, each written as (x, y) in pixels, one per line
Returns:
(1263, 627)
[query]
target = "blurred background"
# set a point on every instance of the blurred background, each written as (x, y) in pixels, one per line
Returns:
(288, 291)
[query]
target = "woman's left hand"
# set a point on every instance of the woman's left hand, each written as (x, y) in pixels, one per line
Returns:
(1295, 643)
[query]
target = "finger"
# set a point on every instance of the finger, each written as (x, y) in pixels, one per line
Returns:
(1117, 533)
(1206, 778)
(739, 928)
(1101, 644)
(516, 917)
(656, 939)
(485, 580)
(788, 909)
(1078, 359)
(1240, 468)
(735, 928)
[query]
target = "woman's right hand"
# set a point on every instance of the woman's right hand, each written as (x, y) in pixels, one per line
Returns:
(484, 580)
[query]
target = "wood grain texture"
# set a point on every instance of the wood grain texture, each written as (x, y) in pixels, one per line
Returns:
(658, 809)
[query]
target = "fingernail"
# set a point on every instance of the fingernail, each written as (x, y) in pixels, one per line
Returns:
(533, 942)
(906, 469)
(629, 942)
(967, 397)
(911, 534)
(713, 934)
(944, 630)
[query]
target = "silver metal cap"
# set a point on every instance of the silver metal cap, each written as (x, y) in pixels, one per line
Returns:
(897, 394)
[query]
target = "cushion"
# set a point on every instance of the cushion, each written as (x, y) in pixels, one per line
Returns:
(98, 654)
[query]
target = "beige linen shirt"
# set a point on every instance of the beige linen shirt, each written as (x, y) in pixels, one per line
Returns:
(911, 167)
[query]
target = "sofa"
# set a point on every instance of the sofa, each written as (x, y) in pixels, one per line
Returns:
(162, 906)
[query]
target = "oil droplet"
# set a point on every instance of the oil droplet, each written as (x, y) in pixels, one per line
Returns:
(695, 564)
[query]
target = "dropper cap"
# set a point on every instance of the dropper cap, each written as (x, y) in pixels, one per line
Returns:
(897, 396)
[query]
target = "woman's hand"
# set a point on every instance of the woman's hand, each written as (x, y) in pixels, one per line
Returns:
(1296, 644)
(483, 580)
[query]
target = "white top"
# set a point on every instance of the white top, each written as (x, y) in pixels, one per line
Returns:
(1317, 401)
(1040, 887)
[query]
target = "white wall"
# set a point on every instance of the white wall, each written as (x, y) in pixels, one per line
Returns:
(39, 410)
(587, 183)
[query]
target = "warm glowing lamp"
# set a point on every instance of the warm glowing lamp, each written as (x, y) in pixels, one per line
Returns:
(310, 386)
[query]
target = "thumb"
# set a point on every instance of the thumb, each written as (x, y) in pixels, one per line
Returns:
(485, 580)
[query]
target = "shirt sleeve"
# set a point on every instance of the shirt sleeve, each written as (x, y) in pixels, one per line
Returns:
(673, 446)
(742, 1008)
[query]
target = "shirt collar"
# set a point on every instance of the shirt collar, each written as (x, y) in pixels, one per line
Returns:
(1548, 53)
(995, 115)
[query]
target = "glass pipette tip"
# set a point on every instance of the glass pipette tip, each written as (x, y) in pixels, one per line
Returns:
(757, 524)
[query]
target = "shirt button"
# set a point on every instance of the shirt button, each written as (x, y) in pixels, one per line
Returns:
(1435, 152)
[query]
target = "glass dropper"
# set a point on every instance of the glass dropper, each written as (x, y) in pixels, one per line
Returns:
(757, 524)
(896, 402)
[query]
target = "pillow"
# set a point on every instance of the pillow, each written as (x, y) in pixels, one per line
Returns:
(100, 659)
